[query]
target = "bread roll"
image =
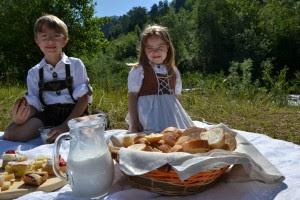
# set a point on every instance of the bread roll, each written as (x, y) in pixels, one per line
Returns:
(176, 148)
(5, 186)
(142, 141)
(171, 135)
(154, 137)
(139, 147)
(8, 177)
(170, 129)
(155, 149)
(128, 140)
(182, 139)
(195, 146)
(164, 148)
(193, 132)
(138, 137)
(230, 141)
(215, 138)
(149, 148)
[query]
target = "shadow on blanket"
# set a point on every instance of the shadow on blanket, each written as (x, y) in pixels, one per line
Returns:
(6, 145)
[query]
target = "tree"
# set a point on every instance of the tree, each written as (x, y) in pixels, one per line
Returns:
(280, 22)
(178, 4)
(215, 31)
(137, 17)
(153, 13)
(163, 7)
(181, 27)
(18, 51)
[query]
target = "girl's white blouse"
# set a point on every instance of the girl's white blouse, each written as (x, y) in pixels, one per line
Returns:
(136, 76)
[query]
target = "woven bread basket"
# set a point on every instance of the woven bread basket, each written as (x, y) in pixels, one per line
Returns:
(168, 183)
(165, 180)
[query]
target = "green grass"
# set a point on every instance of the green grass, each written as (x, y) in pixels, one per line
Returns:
(255, 115)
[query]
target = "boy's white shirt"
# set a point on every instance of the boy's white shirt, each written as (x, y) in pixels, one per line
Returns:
(136, 76)
(80, 82)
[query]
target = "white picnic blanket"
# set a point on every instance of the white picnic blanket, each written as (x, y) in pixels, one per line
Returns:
(285, 156)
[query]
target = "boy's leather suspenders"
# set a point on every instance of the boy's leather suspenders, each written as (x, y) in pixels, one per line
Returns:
(56, 85)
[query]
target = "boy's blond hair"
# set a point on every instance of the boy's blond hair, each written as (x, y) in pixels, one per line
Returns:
(51, 22)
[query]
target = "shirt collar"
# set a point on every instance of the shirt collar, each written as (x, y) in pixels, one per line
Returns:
(158, 65)
(64, 60)
(155, 65)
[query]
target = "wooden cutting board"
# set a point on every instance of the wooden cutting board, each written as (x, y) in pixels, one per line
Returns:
(18, 188)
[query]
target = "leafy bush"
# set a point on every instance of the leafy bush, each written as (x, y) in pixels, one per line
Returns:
(276, 84)
(239, 80)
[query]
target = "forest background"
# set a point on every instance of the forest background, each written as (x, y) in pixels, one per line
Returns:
(239, 59)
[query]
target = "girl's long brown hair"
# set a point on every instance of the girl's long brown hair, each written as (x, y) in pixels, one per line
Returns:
(162, 33)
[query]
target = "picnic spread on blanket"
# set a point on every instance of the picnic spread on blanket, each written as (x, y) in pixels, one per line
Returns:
(206, 161)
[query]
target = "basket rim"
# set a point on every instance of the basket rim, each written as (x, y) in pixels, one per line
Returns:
(192, 180)
(171, 188)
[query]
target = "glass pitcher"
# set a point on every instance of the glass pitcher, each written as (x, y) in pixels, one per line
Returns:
(90, 168)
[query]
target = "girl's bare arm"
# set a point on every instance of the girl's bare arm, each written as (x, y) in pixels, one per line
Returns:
(133, 112)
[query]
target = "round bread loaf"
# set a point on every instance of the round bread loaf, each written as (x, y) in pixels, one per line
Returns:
(215, 137)
(171, 135)
(195, 146)
(176, 148)
(165, 148)
(194, 132)
(230, 141)
(183, 139)
(154, 137)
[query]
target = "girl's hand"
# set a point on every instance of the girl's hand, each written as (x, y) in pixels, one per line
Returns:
(20, 111)
(56, 131)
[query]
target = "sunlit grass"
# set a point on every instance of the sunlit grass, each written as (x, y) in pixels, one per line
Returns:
(255, 115)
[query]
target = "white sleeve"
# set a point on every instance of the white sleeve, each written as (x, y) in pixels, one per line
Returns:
(80, 79)
(135, 79)
(32, 95)
(178, 86)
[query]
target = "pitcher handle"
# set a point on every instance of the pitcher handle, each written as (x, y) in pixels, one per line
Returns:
(57, 144)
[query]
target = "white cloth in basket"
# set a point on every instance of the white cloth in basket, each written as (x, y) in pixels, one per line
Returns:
(256, 166)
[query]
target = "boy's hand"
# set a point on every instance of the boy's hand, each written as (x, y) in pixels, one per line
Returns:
(20, 111)
(56, 131)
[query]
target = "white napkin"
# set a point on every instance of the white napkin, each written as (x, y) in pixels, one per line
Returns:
(255, 166)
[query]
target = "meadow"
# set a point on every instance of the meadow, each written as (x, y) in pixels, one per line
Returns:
(249, 64)
(214, 105)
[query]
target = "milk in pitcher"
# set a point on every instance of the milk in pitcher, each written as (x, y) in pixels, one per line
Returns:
(93, 167)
